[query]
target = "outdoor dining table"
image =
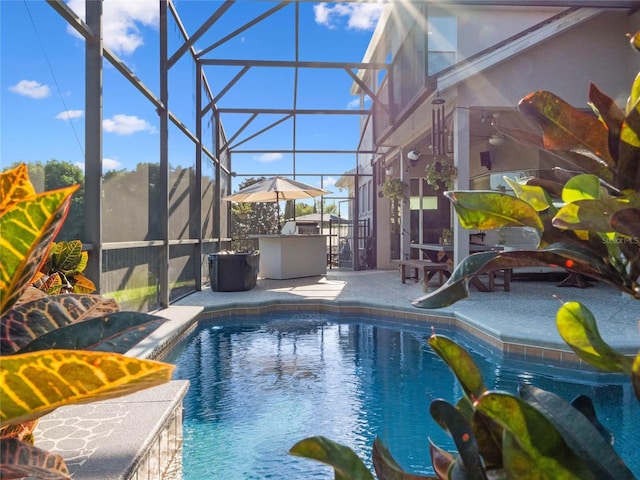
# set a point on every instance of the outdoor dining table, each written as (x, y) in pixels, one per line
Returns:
(441, 253)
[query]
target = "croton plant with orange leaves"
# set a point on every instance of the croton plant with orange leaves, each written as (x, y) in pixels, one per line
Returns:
(56, 349)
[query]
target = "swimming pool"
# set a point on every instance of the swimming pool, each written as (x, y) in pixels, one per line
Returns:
(260, 384)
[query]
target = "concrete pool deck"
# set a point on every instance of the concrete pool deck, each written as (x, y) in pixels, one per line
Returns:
(524, 316)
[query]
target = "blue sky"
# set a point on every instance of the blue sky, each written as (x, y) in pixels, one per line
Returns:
(42, 81)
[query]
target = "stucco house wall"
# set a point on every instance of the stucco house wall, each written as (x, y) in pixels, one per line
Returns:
(565, 61)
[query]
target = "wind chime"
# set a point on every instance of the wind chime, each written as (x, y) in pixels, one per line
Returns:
(437, 126)
(442, 169)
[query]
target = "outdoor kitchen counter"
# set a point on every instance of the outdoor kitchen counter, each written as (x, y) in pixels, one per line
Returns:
(292, 256)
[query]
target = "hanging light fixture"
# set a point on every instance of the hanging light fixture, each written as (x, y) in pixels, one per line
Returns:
(496, 139)
(413, 156)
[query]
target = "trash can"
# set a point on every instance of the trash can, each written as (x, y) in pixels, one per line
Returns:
(233, 271)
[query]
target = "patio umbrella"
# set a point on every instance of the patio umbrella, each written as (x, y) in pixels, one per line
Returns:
(276, 189)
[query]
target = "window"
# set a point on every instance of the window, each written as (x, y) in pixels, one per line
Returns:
(424, 203)
(442, 43)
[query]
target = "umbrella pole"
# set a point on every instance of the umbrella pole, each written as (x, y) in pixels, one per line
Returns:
(278, 213)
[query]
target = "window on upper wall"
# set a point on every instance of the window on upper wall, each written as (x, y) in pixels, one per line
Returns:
(442, 43)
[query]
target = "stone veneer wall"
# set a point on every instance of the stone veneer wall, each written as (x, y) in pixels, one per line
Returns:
(136, 437)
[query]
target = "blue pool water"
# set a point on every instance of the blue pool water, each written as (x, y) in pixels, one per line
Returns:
(259, 385)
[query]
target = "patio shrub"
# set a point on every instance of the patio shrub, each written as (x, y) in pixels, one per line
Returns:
(596, 233)
(56, 349)
(62, 270)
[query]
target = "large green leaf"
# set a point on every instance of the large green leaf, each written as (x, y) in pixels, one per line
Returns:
(551, 187)
(629, 154)
(611, 115)
(578, 260)
(116, 333)
(579, 433)
(488, 210)
(67, 257)
(567, 128)
(457, 286)
(345, 463)
(20, 460)
(28, 226)
(461, 364)
(489, 437)
(595, 215)
(582, 162)
(634, 95)
(577, 326)
(34, 384)
(570, 257)
(387, 468)
(535, 436)
(534, 195)
(15, 186)
(518, 463)
(627, 222)
(27, 321)
(581, 187)
(448, 417)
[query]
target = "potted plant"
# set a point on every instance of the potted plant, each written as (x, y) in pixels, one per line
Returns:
(394, 188)
(441, 171)
(447, 237)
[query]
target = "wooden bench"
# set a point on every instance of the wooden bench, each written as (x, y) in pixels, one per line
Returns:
(506, 274)
(429, 269)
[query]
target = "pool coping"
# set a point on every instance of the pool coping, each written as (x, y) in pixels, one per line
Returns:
(184, 319)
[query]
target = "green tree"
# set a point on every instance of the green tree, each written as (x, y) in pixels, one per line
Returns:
(303, 209)
(331, 208)
(251, 219)
(288, 210)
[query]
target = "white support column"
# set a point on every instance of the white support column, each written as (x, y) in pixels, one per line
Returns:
(461, 161)
(405, 209)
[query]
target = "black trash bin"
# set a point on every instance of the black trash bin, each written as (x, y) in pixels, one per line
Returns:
(233, 271)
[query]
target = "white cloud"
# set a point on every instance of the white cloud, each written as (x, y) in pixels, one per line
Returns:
(31, 88)
(269, 157)
(110, 164)
(360, 16)
(354, 104)
(121, 124)
(69, 114)
(329, 182)
(120, 22)
(322, 13)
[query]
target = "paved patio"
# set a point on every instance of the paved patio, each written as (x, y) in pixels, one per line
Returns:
(523, 316)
